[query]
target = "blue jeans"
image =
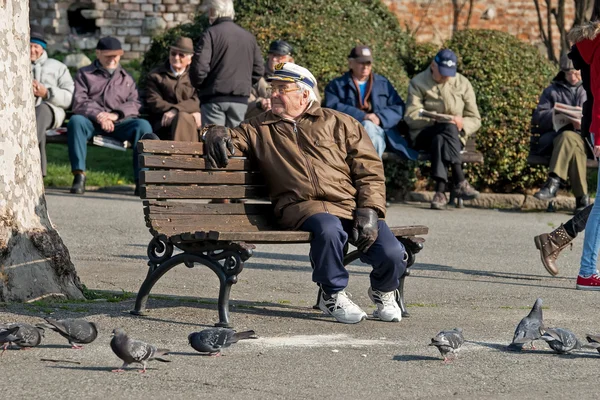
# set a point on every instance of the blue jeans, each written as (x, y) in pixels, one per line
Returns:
(377, 135)
(80, 129)
(591, 242)
(330, 234)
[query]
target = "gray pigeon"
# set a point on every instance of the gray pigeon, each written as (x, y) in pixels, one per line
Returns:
(212, 340)
(7, 336)
(562, 341)
(74, 330)
(594, 342)
(530, 328)
(448, 342)
(134, 351)
(27, 335)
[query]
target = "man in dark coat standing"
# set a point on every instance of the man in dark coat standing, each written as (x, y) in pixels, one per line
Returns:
(226, 63)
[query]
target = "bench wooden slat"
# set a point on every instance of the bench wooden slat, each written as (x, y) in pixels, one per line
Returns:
(172, 224)
(283, 236)
(202, 192)
(170, 147)
(541, 160)
(190, 163)
(175, 208)
(201, 177)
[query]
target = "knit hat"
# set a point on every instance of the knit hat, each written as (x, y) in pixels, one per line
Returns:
(37, 36)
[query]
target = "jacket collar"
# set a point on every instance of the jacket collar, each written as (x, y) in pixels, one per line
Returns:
(166, 69)
(222, 19)
(314, 109)
(42, 59)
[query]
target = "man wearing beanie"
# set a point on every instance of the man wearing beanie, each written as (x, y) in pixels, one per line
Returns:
(106, 103)
(52, 87)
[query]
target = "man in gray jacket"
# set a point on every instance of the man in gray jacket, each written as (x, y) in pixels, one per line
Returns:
(106, 103)
(52, 87)
(226, 63)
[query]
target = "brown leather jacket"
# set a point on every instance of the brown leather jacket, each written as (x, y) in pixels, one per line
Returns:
(324, 162)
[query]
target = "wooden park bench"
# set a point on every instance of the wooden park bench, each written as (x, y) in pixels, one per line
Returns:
(176, 185)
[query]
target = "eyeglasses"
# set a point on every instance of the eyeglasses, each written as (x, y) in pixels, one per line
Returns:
(181, 55)
(281, 90)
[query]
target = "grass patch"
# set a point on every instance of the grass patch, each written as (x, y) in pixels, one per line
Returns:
(105, 167)
(421, 305)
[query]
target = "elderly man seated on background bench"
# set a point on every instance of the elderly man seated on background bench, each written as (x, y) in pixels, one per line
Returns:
(171, 99)
(106, 103)
(324, 177)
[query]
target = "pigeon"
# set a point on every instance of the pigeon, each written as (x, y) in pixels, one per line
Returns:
(594, 342)
(448, 342)
(562, 341)
(7, 336)
(27, 336)
(530, 328)
(134, 351)
(74, 330)
(212, 340)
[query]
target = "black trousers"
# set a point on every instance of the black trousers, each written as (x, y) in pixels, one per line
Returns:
(44, 119)
(442, 142)
(577, 224)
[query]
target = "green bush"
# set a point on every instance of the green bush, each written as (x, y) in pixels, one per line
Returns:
(322, 32)
(508, 76)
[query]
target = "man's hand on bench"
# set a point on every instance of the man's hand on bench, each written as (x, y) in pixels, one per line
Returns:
(217, 142)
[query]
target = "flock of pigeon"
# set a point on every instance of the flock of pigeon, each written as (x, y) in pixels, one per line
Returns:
(80, 331)
(530, 328)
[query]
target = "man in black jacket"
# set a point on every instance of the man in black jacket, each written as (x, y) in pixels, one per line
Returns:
(226, 63)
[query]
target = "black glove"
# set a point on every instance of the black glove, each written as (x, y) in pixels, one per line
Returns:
(216, 143)
(365, 230)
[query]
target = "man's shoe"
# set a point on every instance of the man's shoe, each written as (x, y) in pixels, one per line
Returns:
(549, 189)
(78, 186)
(388, 309)
(550, 245)
(341, 308)
(463, 190)
(589, 283)
(439, 201)
(581, 203)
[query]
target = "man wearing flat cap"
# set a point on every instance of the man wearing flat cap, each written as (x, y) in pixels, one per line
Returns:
(171, 99)
(324, 177)
(442, 90)
(106, 103)
(371, 99)
(52, 87)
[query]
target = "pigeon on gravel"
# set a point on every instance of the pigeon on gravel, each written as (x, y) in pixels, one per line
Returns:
(212, 340)
(562, 341)
(27, 336)
(134, 351)
(594, 342)
(7, 336)
(74, 330)
(530, 328)
(448, 342)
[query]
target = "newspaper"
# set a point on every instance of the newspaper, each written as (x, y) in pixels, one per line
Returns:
(56, 132)
(436, 116)
(108, 142)
(563, 115)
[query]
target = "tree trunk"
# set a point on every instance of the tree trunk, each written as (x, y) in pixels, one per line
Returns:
(34, 261)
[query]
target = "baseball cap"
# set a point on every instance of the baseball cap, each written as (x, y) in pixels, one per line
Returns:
(447, 62)
(290, 72)
(280, 47)
(110, 46)
(361, 54)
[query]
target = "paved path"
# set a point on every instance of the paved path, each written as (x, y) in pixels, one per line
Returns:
(479, 270)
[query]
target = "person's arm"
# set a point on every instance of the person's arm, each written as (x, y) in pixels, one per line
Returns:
(241, 137)
(82, 103)
(542, 116)
(366, 169)
(201, 60)
(131, 107)
(471, 117)
(154, 99)
(414, 104)
(392, 113)
(332, 100)
(258, 67)
(61, 95)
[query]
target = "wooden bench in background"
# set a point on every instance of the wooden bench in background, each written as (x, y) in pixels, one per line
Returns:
(176, 185)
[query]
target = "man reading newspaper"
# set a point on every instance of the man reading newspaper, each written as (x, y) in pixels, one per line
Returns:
(557, 121)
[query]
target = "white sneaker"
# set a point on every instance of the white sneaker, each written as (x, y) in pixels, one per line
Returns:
(388, 309)
(341, 308)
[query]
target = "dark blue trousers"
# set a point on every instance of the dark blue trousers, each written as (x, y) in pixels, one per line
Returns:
(330, 234)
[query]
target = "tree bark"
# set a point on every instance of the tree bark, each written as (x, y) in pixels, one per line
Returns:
(34, 261)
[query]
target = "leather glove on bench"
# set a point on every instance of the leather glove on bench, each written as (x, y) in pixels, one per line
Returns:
(365, 230)
(217, 142)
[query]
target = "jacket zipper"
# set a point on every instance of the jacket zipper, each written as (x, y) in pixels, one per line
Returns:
(311, 174)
